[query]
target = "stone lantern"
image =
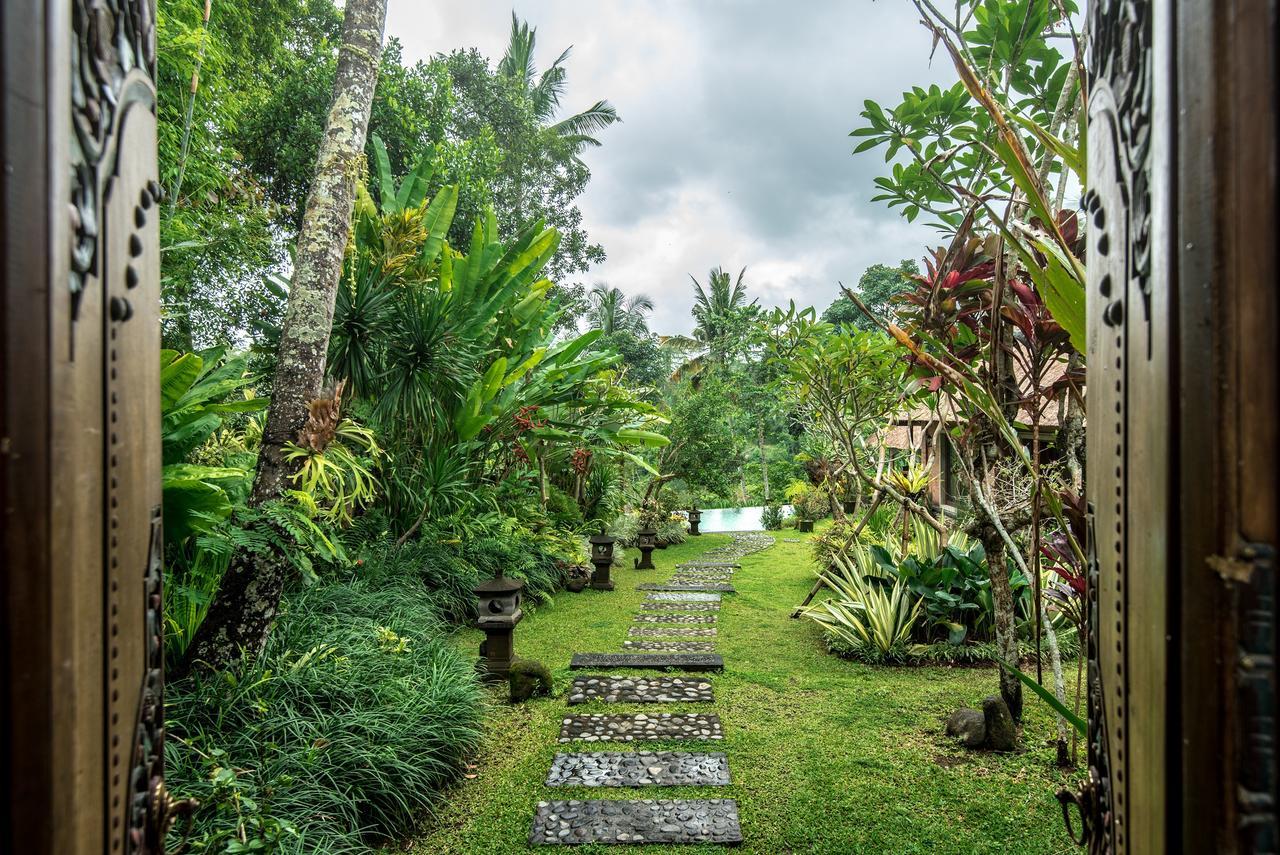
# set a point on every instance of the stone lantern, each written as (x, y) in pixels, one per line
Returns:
(499, 613)
(695, 517)
(602, 560)
(647, 540)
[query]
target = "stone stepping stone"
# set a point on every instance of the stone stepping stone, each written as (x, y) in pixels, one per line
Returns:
(681, 579)
(609, 727)
(671, 646)
(715, 574)
(709, 586)
(699, 565)
(570, 823)
(655, 661)
(683, 597)
(671, 632)
(683, 619)
(639, 690)
(680, 607)
(640, 769)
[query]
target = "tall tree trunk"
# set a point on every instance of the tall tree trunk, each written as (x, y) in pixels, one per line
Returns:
(1006, 631)
(241, 614)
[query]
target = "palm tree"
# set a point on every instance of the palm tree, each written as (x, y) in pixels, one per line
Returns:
(721, 312)
(544, 90)
(612, 311)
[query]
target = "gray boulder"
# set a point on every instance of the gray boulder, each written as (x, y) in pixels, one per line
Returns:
(968, 726)
(1002, 733)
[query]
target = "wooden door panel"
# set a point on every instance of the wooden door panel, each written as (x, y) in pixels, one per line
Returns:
(81, 532)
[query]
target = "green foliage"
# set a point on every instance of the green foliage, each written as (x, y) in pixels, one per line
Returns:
(865, 615)
(878, 285)
(723, 317)
(334, 740)
(197, 392)
(339, 479)
(771, 517)
(275, 531)
(705, 449)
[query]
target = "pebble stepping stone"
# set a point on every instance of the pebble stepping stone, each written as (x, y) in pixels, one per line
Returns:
(681, 579)
(709, 586)
(680, 607)
(639, 690)
(569, 823)
(640, 769)
(609, 727)
(685, 619)
(656, 661)
(671, 646)
(732, 564)
(683, 597)
(671, 632)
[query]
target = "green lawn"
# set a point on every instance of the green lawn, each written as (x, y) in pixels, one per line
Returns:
(826, 755)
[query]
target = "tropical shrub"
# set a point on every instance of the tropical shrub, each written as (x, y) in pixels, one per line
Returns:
(197, 392)
(338, 738)
(874, 619)
(673, 529)
(771, 517)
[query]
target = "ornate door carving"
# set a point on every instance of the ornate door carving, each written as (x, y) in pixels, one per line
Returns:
(1128, 312)
(82, 531)
(1184, 408)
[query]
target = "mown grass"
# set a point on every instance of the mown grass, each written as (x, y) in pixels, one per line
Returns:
(826, 755)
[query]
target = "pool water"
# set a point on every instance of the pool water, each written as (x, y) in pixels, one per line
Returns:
(734, 519)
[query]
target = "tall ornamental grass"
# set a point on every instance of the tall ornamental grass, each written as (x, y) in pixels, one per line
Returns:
(338, 738)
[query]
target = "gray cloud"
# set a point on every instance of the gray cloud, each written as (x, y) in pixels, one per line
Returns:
(734, 148)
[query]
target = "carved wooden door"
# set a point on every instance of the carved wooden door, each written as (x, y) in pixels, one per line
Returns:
(1183, 412)
(83, 679)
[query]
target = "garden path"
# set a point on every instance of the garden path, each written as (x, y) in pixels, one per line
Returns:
(671, 632)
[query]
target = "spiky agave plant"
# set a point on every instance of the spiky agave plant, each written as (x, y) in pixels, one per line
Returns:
(871, 618)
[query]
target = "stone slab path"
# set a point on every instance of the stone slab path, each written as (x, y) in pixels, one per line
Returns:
(680, 607)
(683, 597)
(640, 769)
(650, 661)
(640, 690)
(684, 608)
(670, 646)
(719, 587)
(671, 631)
(605, 727)
(576, 822)
(647, 618)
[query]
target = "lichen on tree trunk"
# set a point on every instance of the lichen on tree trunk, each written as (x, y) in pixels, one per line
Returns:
(245, 606)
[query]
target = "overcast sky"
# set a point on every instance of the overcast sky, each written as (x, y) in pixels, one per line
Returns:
(734, 146)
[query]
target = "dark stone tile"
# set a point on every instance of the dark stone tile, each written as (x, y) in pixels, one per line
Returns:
(574, 822)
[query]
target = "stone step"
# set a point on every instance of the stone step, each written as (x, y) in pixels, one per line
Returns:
(680, 619)
(680, 607)
(614, 821)
(640, 769)
(731, 564)
(681, 579)
(654, 661)
(671, 631)
(640, 727)
(671, 646)
(719, 587)
(683, 597)
(639, 690)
